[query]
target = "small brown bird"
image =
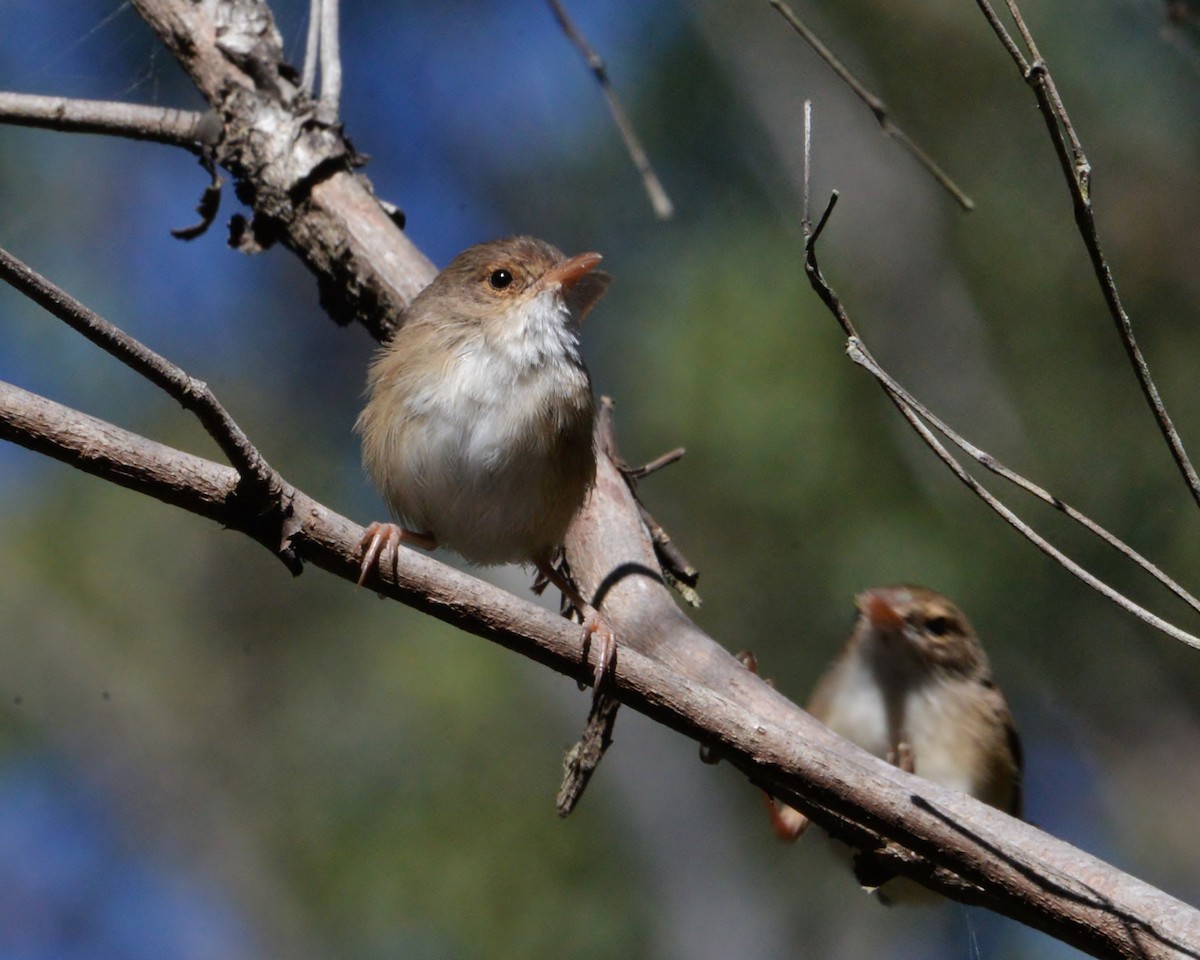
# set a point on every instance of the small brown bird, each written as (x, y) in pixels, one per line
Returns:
(478, 424)
(913, 686)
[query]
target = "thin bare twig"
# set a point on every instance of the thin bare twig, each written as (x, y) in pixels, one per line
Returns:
(663, 208)
(322, 47)
(875, 105)
(658, 463)
(1077, 171)
(192, 394)
(189, 129)
(858, 352)
(988, 462)
(805, 222)
(312, 49)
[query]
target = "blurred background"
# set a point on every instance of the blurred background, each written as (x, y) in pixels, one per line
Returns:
(200, 757)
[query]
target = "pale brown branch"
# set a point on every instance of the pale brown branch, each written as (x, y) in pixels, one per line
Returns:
(178, 128)
(1078, 172)
(663, 208)
(877, 107)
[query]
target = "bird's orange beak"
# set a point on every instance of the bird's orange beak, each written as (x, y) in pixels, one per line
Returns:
(879, 611)
(571, 270)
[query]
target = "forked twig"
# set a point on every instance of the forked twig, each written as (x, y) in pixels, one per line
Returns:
(875, 105)
(1078, 171)
(859, 354)
(663, 208)
(988, 462)
(192, 394)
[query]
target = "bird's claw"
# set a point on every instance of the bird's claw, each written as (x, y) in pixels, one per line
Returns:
(380, 542)
(902, 756)
(599, 640)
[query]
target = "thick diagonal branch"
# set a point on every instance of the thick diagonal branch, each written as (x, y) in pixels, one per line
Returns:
(682, 678)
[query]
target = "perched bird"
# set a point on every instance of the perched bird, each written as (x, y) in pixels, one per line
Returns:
(913, 686)
(478, 425)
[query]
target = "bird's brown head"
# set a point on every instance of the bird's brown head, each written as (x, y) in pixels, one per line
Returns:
(494, 281)
(922, 626)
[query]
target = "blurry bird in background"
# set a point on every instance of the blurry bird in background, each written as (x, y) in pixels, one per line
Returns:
(913, 686)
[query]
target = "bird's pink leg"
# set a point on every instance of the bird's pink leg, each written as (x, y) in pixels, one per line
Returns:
(598, 635)
(903, 757)
(381, 541)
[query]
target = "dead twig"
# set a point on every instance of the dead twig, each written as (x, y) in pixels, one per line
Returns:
(676, 568)
(192, 394)
(582, 759)
(1078, 172)
(189, 129)
(875, 105)
(663, 208)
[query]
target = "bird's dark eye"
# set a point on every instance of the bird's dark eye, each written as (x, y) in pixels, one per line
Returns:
(938, 626)
(499, 279)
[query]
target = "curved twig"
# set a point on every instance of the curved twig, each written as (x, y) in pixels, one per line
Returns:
(859, 354)
(913, 411)
(1078, 172)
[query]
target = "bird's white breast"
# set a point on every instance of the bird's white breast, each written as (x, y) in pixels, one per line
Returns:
(474, 465)
(856, 708)
(932, 718)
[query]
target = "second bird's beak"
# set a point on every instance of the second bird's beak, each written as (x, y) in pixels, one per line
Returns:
(880, 614)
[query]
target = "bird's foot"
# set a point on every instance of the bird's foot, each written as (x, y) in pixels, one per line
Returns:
(598, 637)
(599, 641)
(788, 823)
(903, 757)
(380, 543)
